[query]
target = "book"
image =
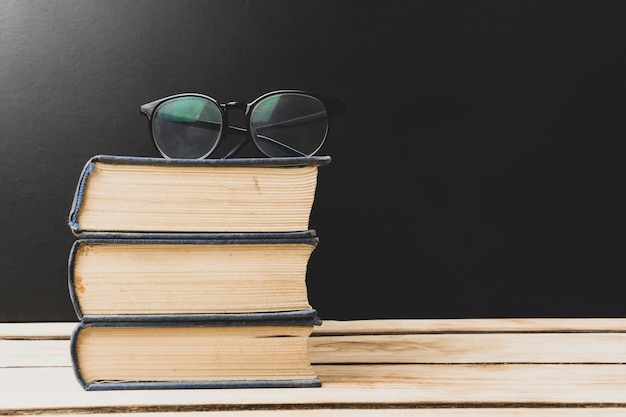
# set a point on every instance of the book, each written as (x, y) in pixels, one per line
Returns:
(124, 275)
(143, 194)
(243, 353)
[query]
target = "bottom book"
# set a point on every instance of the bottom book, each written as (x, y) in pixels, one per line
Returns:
(144, 354)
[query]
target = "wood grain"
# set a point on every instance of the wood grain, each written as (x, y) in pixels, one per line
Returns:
(440, 368)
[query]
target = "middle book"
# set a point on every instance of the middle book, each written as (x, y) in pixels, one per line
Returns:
(136, 274)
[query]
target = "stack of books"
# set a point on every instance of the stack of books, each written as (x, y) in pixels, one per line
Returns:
(192, 273)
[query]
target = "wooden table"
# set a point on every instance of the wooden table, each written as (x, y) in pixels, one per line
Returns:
(441, 368)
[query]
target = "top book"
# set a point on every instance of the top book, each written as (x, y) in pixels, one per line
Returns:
(141, 194)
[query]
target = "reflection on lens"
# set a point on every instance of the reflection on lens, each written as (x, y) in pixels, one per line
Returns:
(289, 124)
(187, 127)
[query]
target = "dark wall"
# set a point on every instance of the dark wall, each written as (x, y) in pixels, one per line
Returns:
(478, 171)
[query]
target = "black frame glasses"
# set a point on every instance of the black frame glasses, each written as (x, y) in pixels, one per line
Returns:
(281, 123)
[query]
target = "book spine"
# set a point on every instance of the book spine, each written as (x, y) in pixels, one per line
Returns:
(78, 196)
(71, 282)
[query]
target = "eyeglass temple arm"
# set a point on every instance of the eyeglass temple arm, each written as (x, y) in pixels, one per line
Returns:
(246, 139)
(237, 131)
(148, 108)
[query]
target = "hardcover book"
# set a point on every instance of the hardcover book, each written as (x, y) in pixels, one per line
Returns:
(140, 194)
(186, 274)
(243, 353)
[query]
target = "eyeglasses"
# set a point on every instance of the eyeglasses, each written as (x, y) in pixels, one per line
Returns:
(282, 123)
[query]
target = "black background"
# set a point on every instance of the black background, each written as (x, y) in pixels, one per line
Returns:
(478, 171)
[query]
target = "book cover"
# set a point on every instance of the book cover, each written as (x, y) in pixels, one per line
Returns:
(190, 274)
(189, 353)
(139, 194)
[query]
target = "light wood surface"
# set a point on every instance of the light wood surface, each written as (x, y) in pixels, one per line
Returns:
(441, 368)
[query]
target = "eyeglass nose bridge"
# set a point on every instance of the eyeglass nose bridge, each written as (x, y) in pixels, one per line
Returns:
(241, 131)
(236, 105)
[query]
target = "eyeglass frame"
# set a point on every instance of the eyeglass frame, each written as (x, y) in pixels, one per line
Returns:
(332, 105)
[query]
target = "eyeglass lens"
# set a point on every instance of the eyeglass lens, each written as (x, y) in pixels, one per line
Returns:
(289, 124)
(282, 124)
(187, 127)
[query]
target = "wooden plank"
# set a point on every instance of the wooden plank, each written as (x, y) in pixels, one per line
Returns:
(344, 386)
(471, 348)
(398, 348)
(419, 412)
(387, 326)
(33, 353)
(41, 330)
